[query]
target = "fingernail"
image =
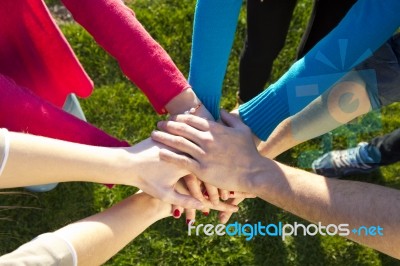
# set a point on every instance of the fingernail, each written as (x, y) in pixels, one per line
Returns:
(232, 193)
(206, 213)
(188, 221)
(177, 213)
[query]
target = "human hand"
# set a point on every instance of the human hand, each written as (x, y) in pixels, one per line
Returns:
(196, 188)
(211, 147)
(187, 102)
(143, 168)
(235, 112)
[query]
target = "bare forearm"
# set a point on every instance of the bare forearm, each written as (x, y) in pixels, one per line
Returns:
(38, 160)
(99, 237)
(329, 111)
(280, 140)
(332, 201)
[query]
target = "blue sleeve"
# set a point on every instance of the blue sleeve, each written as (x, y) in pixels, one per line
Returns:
(213, 34)
(367, 25)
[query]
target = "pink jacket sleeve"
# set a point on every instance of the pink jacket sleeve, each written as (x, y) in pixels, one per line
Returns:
(115, 27)
(23, 111)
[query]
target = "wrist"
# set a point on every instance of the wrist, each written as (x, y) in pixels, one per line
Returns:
(183, 102)
(153, 207)
(236, 113)
(255, 181)
(118, 167)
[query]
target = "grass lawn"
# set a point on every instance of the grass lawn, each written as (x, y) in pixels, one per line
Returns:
(120, 109)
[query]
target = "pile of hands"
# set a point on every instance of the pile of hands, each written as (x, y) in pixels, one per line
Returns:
(195, 163)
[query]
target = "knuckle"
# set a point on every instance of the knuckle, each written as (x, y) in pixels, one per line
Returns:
(180, 127)
(179, 141)
(208, 141)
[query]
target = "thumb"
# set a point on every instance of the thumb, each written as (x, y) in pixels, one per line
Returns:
(231, 120)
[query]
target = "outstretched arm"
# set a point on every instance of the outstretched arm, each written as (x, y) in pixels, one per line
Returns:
(93, 240)
(364, 29)
(141, 58)
(312, 197)
(99, 237)
(34, 160)
(339, 105)
(213, 34)
(35, 115)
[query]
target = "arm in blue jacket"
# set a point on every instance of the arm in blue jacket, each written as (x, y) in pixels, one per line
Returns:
(364, 29)
(213, 34)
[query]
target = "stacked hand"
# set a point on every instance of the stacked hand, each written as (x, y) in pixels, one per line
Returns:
(194, 137)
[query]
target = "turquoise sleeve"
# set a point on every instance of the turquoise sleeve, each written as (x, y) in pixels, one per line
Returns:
(364, 29)
(213, 34)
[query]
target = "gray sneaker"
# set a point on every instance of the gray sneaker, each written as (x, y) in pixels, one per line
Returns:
(346, 162)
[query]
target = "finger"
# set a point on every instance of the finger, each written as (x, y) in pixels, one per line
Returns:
(190, 215)
(194, 121)
(238, 194)
(224, 216)
(194, 186)
(180, 129)
(213, 193)
(181, 161)
(177, 142)
(221, 206)
(206, 211)
(230, 120)
(175, 211)
(224, 194)
(185, 201)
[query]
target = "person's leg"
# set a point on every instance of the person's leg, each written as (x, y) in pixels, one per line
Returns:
(381, 74)
(364, 158)
(267, 26)
(388, 147)
(73, 107)
(326, 14)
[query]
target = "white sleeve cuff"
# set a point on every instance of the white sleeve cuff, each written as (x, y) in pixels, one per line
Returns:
(5, 138)
(71, 248)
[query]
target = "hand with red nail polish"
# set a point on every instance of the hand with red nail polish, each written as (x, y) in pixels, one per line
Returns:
(140, 166)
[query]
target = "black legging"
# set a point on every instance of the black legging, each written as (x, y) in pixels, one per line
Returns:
(389, 147)
(267, 26)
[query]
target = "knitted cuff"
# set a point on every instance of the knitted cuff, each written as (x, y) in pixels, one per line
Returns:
(212, 103)
(264, 112)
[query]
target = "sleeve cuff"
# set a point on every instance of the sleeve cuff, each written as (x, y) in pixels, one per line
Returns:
(212, 103)
(263, 113)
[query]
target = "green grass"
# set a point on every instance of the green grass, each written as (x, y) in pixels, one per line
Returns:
(120, 109)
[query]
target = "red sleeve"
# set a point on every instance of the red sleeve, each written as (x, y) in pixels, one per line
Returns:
(23, 111)
(115, 27)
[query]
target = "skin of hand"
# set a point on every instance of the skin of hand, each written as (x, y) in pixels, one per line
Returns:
(183, 102)
(226, 208)
(312, 197)
(195, 137)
